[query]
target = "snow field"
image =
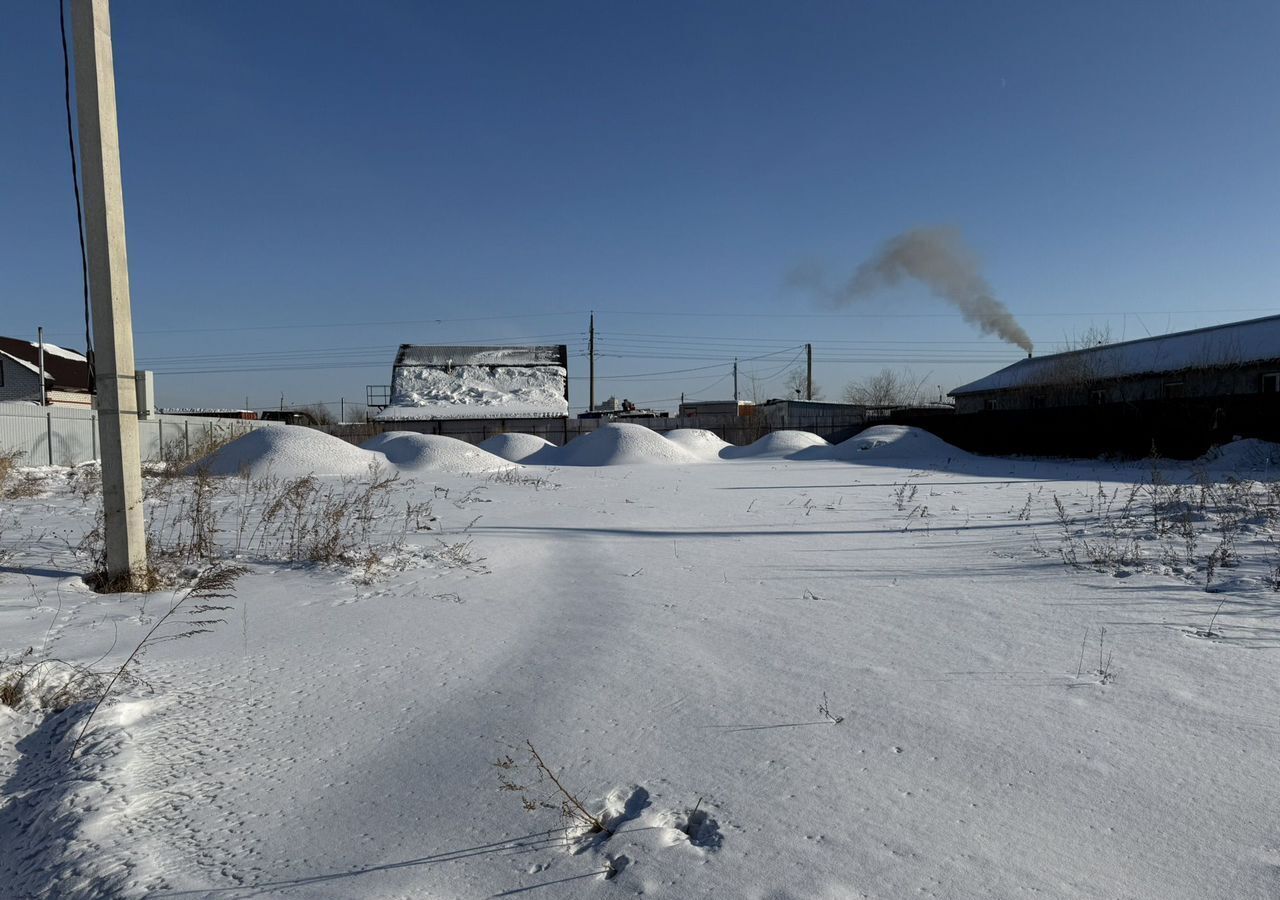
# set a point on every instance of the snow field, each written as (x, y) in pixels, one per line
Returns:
(664, 636)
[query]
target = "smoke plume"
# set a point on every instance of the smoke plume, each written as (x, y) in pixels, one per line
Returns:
(937, 258)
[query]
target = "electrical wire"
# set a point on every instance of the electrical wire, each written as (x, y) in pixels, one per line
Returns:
(75, 184)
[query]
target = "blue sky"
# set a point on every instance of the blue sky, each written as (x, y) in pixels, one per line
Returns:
(307, 185)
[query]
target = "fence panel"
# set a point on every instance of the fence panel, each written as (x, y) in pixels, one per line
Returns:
(149, 431)
(67, 437)
(28, 435)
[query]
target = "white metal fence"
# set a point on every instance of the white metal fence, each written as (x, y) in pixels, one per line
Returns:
(55, 436)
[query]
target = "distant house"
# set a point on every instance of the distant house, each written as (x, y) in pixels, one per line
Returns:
(615, 410)
(476, 391)
(1233, 360)
(730, 409)
(66, 374)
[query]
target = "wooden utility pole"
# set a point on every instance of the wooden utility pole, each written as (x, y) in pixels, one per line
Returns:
(735, 379)
(591, 364)
(126, 552)
(808, 352)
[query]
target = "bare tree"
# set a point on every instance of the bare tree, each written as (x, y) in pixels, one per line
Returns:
(888, 387)
(1093, 336)
(320, 412)
(797, 385)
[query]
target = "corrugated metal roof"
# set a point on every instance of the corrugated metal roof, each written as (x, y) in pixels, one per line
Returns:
(1255, 340)
(421, 355)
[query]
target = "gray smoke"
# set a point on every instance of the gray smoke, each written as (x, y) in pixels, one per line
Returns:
(937, 258)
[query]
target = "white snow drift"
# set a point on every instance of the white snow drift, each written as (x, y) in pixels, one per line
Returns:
(291, 450)
(519, 448)
(415, 452)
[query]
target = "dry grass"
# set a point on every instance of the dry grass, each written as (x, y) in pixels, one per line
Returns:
(15, 484)
(198, 519)
(33, 682)
(1196, 530)
(178, 456)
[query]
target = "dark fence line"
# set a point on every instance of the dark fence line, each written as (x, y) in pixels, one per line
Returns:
(740, 431)
(1177, 429)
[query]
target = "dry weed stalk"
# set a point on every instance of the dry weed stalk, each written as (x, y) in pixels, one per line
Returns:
(199, 617)
(561, 799)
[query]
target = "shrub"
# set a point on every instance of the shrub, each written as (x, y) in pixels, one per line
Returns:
(14, 483)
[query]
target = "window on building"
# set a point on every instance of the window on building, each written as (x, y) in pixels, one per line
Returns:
(1175, 389)
(1270, 383)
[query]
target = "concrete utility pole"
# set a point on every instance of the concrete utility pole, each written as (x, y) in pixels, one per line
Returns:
(109, 289)
(808, 352)
(591, 365)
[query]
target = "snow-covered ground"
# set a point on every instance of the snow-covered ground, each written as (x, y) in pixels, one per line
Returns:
(662, 624)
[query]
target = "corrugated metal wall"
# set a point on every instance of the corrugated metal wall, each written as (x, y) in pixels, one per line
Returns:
(52, 436)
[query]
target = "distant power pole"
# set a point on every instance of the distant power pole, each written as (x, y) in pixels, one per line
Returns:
(735, 379)
(44, 398)
(126, 553)
(808, 352)
(591, 364)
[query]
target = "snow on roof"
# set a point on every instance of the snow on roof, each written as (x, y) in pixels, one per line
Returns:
(60, 351)
(1218, 345)
(25, 365)
(67, 369)
(477, 392)
(419, 355)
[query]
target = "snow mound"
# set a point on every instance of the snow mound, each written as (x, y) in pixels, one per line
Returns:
(777, 445)
(519, 447)
(289, 451)
(1249, 453)
(698, 441)
(894, 442)
(619, 444)
(416, 452)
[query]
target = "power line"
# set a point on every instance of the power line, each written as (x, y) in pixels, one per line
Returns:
(75, 186)
(294, 326)
(931, 315)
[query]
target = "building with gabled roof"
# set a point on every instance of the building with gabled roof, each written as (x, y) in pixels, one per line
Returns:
(66, 374)
(1231, 360)
(435, 383)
